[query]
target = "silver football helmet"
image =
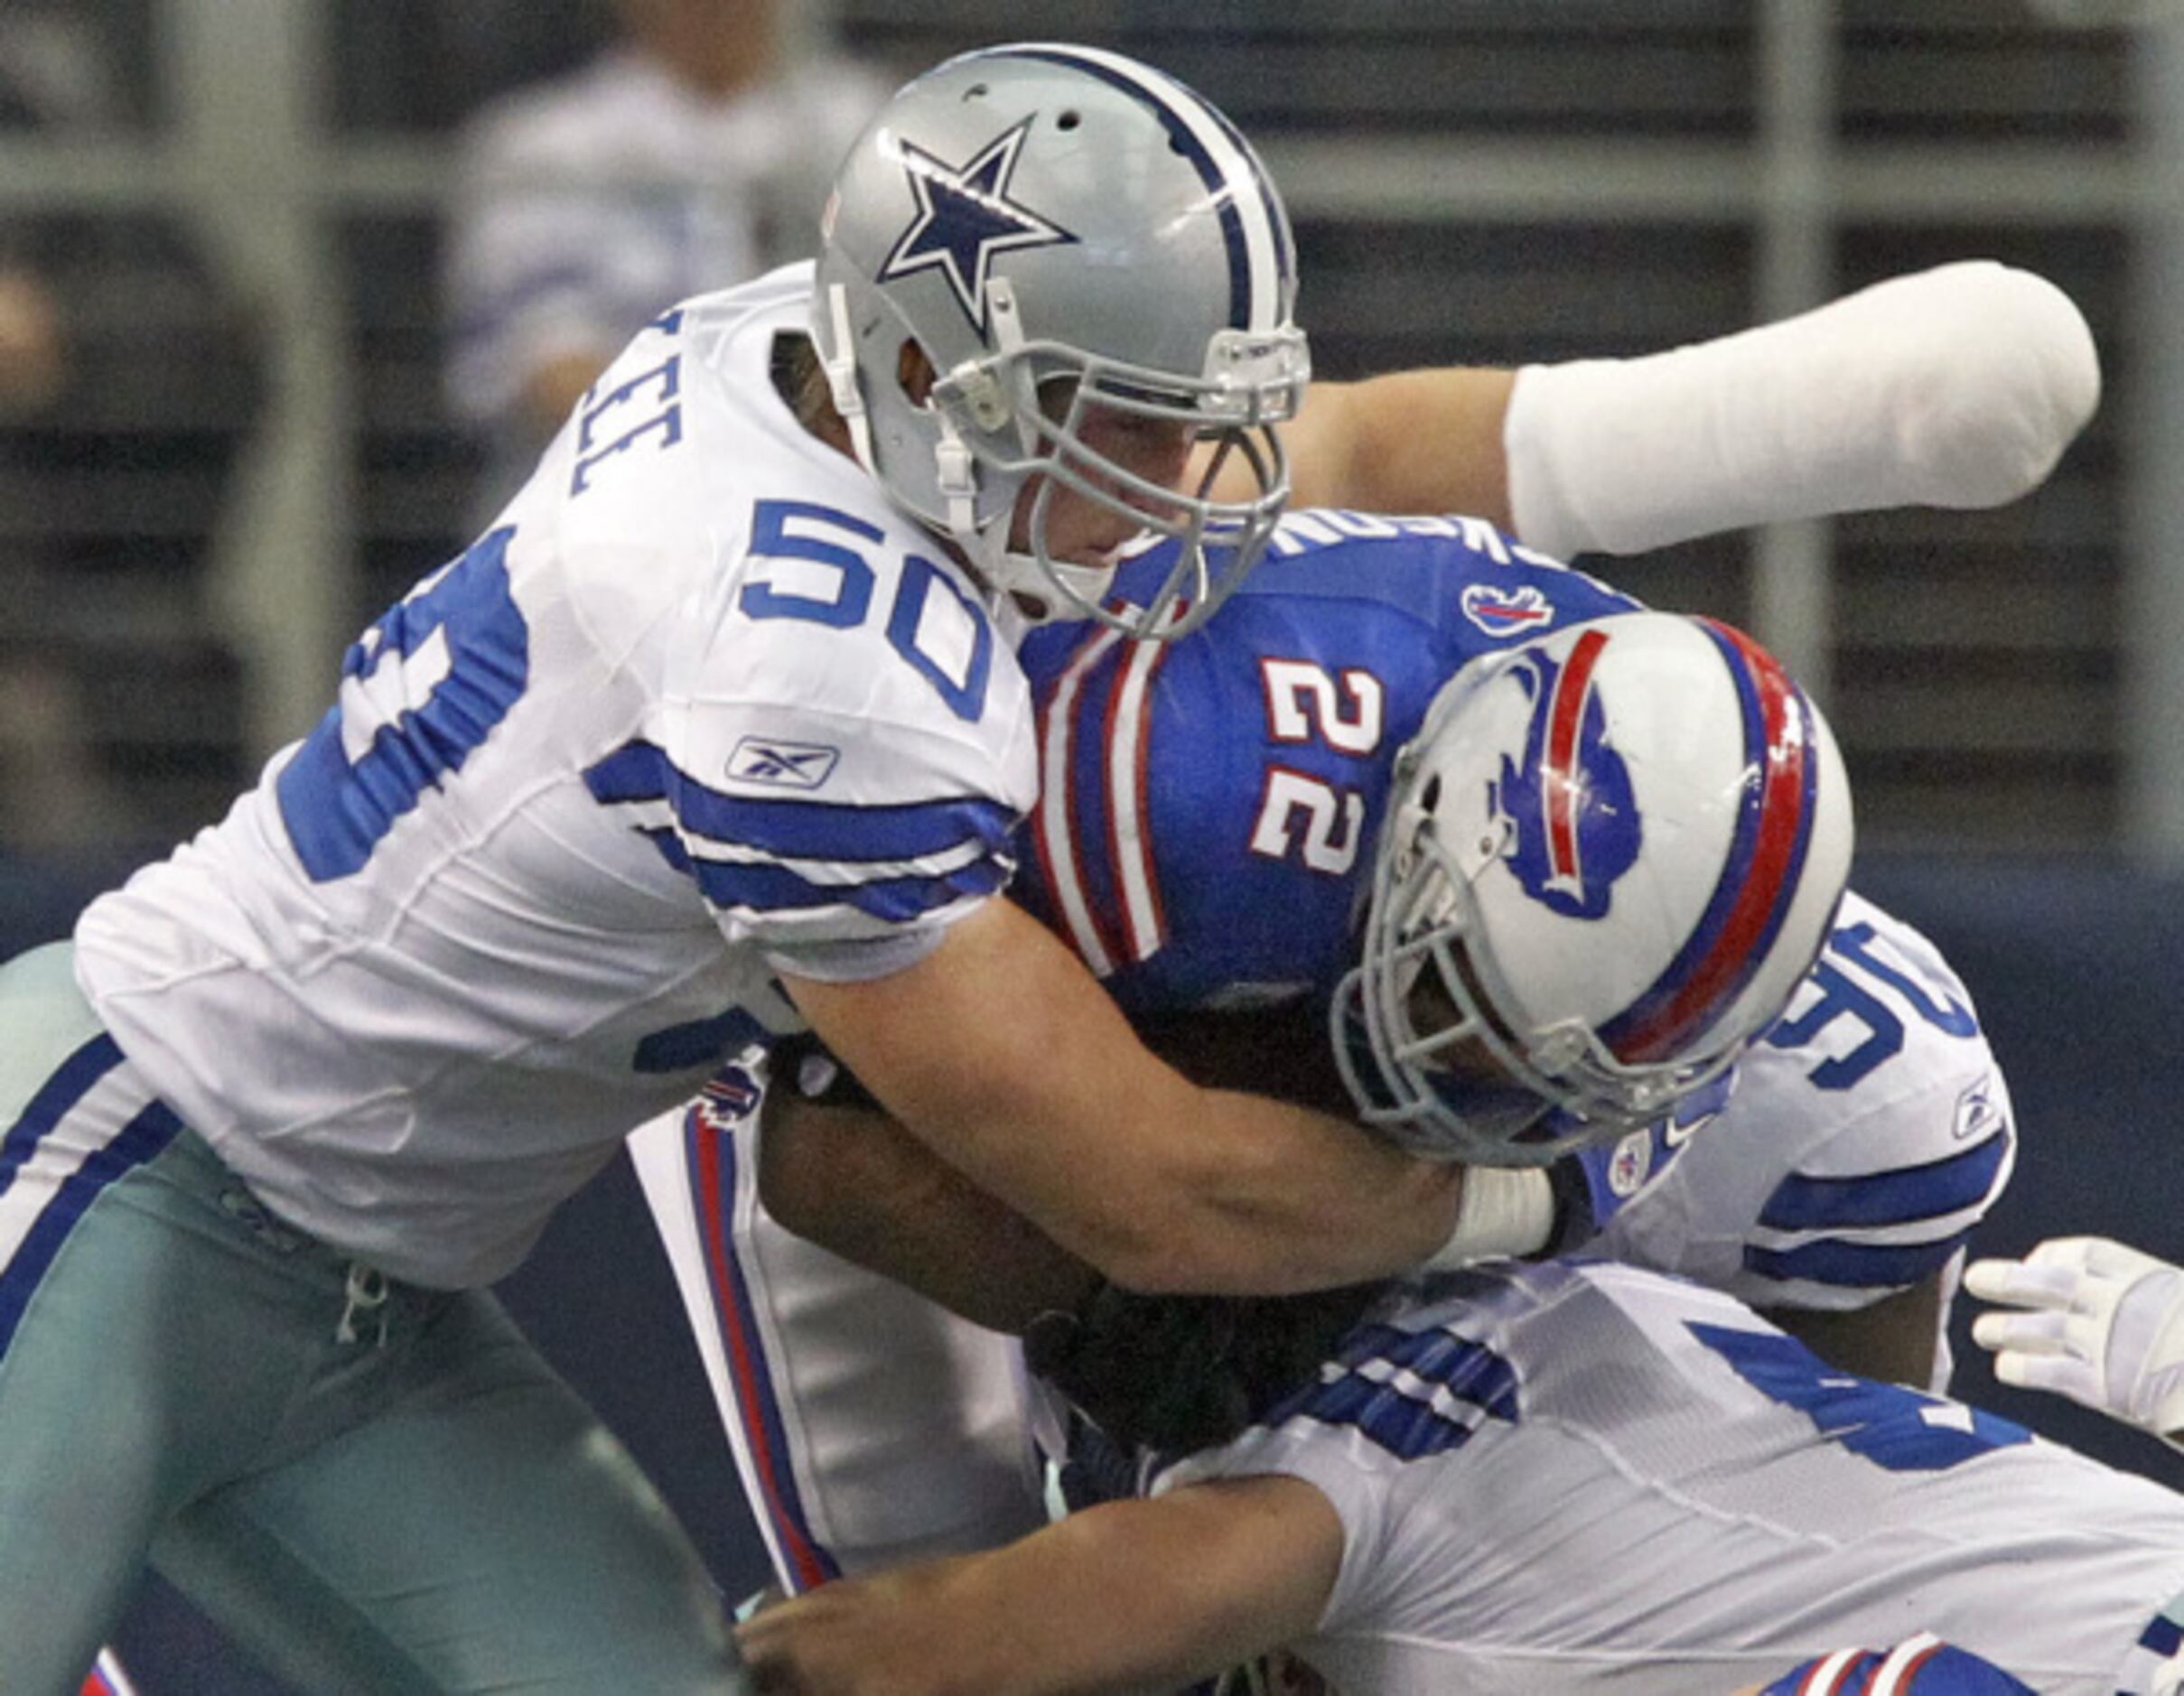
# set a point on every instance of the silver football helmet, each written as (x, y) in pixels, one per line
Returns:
(1068, 236)
(1609, 856)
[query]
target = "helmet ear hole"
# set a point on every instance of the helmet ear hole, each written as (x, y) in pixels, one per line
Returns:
(914, 373)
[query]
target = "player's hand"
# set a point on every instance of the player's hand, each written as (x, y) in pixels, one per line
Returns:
(2102, 1323)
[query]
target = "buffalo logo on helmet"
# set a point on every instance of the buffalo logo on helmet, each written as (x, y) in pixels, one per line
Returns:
(1570, 819)
(965, 217)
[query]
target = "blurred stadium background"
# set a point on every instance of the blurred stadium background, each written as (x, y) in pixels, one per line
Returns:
(250, 454)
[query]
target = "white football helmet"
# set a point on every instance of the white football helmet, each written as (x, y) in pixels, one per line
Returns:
(1609, 856)
(1055, 223)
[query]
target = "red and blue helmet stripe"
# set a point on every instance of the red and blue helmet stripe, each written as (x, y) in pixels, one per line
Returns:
(1562, 783)
(1759, 875)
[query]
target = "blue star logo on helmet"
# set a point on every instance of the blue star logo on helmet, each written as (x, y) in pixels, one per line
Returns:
(965, 217)
(1572, 817)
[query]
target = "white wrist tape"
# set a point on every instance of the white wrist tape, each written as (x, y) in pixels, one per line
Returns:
(1505, 1210)
(1958, 386)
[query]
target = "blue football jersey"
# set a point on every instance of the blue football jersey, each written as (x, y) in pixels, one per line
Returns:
(1211, 844)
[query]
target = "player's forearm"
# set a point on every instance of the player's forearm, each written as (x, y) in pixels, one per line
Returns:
(860, 1185)
(1182, 1189)
(1427, 441)
(1958, 386)
(1128, 1595)
(1270, 1199)
(1003, 1054)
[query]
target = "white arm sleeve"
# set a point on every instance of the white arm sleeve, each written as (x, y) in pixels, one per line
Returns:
(1958, 386)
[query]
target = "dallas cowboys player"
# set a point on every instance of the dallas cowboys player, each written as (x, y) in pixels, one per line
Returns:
(717, 731)
(1559, 1476)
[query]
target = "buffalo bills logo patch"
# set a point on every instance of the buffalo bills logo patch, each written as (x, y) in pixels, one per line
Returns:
(1630, 1164)
(728, 1098)
(1501, 612)
(1570, 819)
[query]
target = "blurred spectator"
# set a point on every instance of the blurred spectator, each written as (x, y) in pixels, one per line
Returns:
(690, 154)
(126, 381)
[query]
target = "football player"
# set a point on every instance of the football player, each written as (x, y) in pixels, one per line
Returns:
(717, 731)
(1205, 840)
(1563, 1476)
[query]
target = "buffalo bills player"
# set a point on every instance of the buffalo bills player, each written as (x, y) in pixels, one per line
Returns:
(1567, 1476)
(717, 731)
(1205, 840)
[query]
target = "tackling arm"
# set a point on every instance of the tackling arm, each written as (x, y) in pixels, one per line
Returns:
(854, 1181)
(1958, 386)
(1004, 1055)
(1128, 1594)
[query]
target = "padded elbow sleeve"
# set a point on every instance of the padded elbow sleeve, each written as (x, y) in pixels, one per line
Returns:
(1958, 386)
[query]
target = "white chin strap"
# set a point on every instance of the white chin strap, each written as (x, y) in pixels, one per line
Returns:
(1029, 585)
(1019, 578)
(841, 369)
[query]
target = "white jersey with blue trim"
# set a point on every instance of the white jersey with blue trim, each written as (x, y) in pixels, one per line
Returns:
(1582, 1468)
(1887, 1126)
(701, 707)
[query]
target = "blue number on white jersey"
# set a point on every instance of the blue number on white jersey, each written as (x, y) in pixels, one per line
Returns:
(1892, 1427)
(839, 595)
(1856, 946)
(420, 690)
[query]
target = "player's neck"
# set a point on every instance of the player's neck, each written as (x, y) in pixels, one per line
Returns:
(800, 381)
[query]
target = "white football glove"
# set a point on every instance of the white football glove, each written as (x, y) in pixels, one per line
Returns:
(2102, 1325)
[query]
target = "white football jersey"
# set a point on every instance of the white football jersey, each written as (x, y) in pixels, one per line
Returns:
(701, 707)
(588, 203)
(1864, 1138)
(1580, 1470)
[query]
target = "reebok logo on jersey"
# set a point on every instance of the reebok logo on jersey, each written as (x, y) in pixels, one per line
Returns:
(792, 764)
(1978, 1114)
(1501, 612)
